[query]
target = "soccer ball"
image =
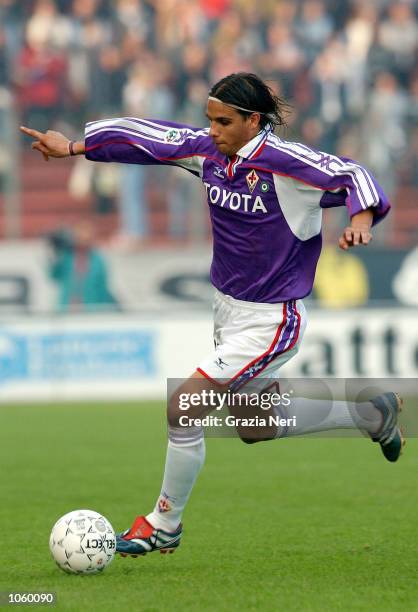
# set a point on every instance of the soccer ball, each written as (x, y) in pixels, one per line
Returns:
(82, 542)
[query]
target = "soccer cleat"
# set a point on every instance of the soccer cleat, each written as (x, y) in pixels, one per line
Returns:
(142, 538)
(390, 436)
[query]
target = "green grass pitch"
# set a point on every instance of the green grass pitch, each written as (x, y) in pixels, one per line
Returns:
(297, 524)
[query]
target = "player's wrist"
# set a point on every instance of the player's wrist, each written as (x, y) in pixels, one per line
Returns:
(359, 226)
(362, 220)
(75, 147)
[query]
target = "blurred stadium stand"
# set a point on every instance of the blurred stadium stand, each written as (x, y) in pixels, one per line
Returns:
(348, 68)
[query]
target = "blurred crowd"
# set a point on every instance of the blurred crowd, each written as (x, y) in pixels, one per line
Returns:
(349, 70)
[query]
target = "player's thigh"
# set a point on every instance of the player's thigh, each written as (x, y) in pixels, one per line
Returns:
(254, 342)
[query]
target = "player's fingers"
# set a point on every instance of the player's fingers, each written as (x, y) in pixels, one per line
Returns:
(38, 146)
(342, 243)
(366, 237)
(356, 237)
(348, 234)
(30, 132)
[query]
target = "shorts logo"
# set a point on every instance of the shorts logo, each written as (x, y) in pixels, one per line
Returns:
(173, 135)
(252, 180)
(220, 363)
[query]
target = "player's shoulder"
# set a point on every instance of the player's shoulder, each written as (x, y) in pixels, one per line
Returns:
(275, 153)
(277, 147)
(286, 153)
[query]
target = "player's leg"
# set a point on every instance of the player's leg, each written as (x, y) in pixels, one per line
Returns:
(255, 402)
(378, 417)
(161, 529)
(251, 404)
(185, 453)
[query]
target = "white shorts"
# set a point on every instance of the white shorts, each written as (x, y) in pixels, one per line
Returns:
(252, 339)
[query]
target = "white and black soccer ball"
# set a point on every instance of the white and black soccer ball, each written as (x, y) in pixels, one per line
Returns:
(82, 542)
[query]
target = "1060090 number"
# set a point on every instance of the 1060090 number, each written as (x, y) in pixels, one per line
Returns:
(31, 598)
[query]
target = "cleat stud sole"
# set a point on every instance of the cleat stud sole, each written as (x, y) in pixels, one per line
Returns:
(164, 551)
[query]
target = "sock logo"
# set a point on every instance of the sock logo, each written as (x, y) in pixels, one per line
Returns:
(163, 505)
(164, 502)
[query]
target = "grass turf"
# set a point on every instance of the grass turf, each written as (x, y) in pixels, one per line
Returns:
(300, 524)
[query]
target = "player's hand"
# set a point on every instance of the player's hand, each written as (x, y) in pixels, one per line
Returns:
(353, 236)
(50, 143)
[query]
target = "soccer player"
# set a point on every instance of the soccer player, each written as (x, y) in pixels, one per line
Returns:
(265, 198)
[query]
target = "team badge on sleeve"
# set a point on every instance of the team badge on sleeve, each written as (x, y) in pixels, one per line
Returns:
(252, 180)
(173, 136)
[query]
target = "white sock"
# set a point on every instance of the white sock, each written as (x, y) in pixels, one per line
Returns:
(182, 467)
(322, 415)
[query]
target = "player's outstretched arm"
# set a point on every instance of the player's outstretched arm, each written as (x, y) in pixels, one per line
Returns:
(358, 232)
(53, 144)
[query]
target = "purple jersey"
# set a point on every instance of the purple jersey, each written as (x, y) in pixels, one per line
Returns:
(265, 203)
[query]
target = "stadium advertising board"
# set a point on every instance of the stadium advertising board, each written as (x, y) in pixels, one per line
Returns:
(179, 278)
(125, 356)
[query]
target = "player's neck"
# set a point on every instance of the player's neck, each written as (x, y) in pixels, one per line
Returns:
(243, 144)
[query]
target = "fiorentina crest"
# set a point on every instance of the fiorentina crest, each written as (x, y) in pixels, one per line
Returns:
(164, 502)
(252, 180)
(163, 505)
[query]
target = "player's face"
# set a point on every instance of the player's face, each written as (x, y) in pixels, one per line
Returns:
(229, 129)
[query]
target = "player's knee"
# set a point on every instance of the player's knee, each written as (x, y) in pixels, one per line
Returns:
(175, 410)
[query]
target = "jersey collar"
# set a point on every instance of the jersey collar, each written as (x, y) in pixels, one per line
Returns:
(255, 145)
